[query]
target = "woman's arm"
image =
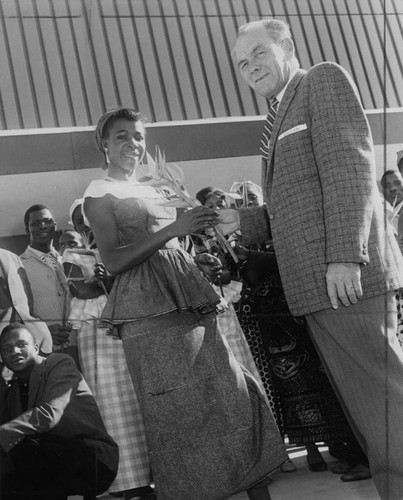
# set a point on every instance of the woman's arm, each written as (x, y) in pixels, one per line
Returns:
(120, 258)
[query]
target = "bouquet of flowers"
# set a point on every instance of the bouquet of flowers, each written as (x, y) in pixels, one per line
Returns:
(172, 176)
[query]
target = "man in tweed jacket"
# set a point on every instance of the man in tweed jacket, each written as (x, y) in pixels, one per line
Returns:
(338, 262)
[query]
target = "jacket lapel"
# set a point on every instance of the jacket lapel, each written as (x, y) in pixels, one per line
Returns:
(282, 110)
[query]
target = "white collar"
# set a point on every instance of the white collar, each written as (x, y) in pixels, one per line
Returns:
(39, 254)
(280, 95)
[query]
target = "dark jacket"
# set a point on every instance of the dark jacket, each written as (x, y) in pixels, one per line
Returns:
(59, 403)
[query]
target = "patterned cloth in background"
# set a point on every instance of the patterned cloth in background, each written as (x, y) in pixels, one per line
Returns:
(303, 402)
(399, 301)
(104, 367)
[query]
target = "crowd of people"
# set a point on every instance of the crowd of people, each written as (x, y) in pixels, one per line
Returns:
(165, 352)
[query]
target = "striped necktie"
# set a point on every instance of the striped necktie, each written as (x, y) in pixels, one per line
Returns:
(268, 128)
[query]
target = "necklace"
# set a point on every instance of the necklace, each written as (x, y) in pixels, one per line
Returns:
(112, 179)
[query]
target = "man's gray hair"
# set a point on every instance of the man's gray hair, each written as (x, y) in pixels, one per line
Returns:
(277, 29)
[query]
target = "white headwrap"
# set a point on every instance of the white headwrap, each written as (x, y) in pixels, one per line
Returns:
(76, 203)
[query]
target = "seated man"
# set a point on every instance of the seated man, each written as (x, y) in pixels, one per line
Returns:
(16, 300)
(53, 442)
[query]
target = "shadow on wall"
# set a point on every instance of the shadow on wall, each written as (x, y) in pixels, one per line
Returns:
(17, 244)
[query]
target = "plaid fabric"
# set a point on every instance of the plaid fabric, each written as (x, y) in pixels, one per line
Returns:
(104, 367)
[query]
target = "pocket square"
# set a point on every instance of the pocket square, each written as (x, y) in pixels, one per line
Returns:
(297, 128)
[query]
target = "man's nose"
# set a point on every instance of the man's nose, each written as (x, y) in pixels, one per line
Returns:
(253, 68)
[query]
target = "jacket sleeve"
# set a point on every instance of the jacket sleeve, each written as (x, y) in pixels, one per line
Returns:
(342, 144)
(4, 415)
(58, 386)
(255, 227)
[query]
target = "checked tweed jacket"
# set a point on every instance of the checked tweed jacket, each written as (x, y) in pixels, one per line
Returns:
(322, 200)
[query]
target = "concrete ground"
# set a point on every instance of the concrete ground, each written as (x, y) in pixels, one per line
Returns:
(306, 485)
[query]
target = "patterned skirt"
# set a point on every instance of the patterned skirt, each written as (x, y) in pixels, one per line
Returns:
(302, 400)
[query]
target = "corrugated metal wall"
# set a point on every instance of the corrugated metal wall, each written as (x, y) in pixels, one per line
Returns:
(65, 61)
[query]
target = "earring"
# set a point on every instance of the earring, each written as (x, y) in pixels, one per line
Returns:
(106, 156)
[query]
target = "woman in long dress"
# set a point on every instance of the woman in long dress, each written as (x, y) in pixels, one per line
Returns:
(209, 430)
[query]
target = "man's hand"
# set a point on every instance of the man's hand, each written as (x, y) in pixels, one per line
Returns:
(60, 333)
(228, 220)
(343, 282)
(209, 265)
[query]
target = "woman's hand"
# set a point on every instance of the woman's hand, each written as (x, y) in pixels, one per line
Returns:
(194, 221)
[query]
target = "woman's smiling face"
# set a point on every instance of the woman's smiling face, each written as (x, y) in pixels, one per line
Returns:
(125, 143)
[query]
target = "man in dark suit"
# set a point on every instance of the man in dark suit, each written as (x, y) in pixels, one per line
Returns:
(53, 442)
(339, 265)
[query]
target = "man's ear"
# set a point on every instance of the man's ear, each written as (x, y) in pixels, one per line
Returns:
(288, 46)
(27, 229)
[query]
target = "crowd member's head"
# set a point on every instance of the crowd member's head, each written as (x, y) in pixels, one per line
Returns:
(253, 192)
(212, 197)
(70, 239)
(399, 161)
(392, 186)
(77, 217)
(120, 136)
(41, 227)
(18, 349)
(264, 53)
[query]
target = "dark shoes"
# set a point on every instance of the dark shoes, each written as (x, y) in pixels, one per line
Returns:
(341, 467)
(316, 463)
(357, 473)
(318, 467)
(288, 466)
(349, 474)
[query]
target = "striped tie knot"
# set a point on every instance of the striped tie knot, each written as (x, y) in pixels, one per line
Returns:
(268, 128)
